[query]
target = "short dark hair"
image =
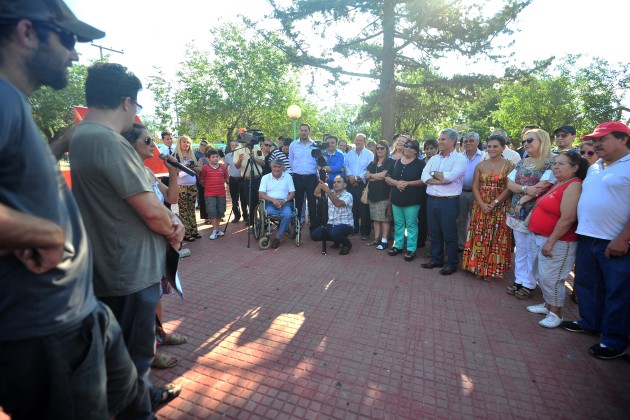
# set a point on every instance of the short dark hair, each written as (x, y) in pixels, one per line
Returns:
(108, 83)
(133, 133)
(211, 152)
(496, 137)
(306, 125)
(330, 136)
(620, 135)
(431, 142)
(287, 141)
(166, 133)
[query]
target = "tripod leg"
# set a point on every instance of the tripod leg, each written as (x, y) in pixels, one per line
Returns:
(228, 220)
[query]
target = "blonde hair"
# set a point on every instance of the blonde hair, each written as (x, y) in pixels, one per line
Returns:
(544, 153)
(190, 155)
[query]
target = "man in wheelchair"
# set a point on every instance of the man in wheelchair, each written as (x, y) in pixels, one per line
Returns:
(278, 192)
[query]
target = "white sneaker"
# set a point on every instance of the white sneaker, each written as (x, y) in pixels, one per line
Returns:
(550, 321)
(220, 232)
(538, 309)
(184, 252)
(213, 235)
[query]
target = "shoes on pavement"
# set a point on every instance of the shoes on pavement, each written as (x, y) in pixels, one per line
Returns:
(538, 309)
(550, 321)
(602, 352)
(275, 243)
(574, 326)
(431, 265)
(213, 235)
(410, 256)
(382, 245)
(183, 253)
(220, 233)
(394, 251)
(335, 245)
(344, 250)
(513, 288)
(447, 271)
(197, 236)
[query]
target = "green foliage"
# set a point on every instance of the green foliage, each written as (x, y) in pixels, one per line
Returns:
(52, 109)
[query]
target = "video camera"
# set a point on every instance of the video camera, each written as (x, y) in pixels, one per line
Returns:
(317, 153)
(252, 137)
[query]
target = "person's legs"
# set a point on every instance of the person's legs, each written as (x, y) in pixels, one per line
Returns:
(448, 217)
(364, 215)
(186, 202)
(235, 185)
(311, 184)
(399, 226)
(522, 264)
(550, 272)
(423, 229)
(411, 224)
(589, 282)
(339, 233)
(466, 200)
(136, 315)
(434, 221)
(286, 214)
(299, 182)
(356, 204)
(202, 203)
(317, 234)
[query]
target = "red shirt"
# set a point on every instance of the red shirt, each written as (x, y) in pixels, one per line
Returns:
(213, 180)
(547, 213)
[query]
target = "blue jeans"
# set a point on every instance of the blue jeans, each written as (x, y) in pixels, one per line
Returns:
(285, 212)
(603, 288)
(336, 233)
(406, 218)
(82, 373)
(442, 220)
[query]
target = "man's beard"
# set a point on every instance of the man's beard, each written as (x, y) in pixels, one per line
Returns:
(48, 69)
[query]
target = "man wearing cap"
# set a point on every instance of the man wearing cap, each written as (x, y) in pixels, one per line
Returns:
(602, 265)
(564, 137)
(444, 176)
(50, 321)
(129, 228)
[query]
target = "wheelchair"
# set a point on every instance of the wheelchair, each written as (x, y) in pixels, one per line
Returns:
(265, 225)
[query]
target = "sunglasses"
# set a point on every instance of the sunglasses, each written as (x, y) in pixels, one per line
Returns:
(267, 145)
(561, 136)
(66, 38)
(468, 141)
(380, 148)
(584, 152)
(148, 140)
(530, 139)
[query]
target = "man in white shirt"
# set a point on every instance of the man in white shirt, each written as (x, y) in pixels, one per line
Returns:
(356, 163)
(444, 176)
(602, 265)
(473, 156)
(277, 190)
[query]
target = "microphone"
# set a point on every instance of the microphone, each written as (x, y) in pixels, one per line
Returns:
(178, 165)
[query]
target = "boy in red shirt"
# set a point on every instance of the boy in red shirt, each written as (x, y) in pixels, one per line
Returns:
(213, 177)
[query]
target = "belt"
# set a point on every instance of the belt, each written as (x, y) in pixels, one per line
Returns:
(450, 197)
(304, 175)
(466, 190)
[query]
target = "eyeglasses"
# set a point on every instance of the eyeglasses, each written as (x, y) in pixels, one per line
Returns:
(148, 140)
(381, 147)
(66, 38)
(133, 101)
(530, 139)
(468, 141)
(584, 152)
(561, 135)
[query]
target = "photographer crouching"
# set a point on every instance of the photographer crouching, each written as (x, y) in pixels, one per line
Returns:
(340, 220)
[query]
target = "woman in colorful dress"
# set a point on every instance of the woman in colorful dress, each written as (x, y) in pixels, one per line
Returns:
(528, 181)
(187, 188)
(488, 249)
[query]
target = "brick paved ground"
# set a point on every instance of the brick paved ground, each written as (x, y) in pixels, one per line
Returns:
(290, 333)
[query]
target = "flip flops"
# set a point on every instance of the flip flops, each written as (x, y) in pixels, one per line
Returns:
(164, 361)
(162, 396)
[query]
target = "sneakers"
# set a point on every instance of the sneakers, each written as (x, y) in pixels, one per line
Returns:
(538, 309)
(220, 233)
(183, 253)
(550, 321)
(344, 250)
(275, 243)
(213, 235)
(602, 352)
(382, 245)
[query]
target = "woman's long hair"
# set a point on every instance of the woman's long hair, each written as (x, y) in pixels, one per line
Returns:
(133, 133)
(544, 153)
(178, 150)
(386, 146)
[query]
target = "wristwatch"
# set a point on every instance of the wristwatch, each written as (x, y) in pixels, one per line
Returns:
(432, 173)
(496, 201)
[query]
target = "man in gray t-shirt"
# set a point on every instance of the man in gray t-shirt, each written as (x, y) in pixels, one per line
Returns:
(127, 225)
(55, 337)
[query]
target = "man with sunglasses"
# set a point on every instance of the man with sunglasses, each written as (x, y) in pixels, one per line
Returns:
(61, 350)
(564, 138)
(129, 227)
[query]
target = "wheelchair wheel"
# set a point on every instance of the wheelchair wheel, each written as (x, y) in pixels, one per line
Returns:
(298, 232)
(291, 231)
(258, 225)
(264, 243)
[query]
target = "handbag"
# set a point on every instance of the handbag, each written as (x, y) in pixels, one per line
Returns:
(364, 194)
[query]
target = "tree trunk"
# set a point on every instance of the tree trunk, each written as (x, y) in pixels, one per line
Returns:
(387, 82)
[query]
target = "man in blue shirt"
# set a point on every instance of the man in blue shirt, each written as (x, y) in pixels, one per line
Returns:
(335, 160)
(304, 173)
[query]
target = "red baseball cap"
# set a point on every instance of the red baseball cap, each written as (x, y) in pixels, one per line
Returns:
(607, 128)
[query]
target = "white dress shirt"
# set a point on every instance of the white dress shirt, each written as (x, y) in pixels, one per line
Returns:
(453, 167)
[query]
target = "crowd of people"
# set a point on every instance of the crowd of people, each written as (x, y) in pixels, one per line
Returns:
(84, 271)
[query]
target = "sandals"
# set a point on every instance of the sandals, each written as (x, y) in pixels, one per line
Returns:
(410, 256)
(164, 361)
(383, 245)
(197, 236)
(164, 395)
(394, 251)
(374, 242)
(170, 339)
(189, 238)
(511, 290)
(523, 293)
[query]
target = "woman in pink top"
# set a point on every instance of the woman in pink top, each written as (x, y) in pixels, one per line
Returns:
(553, 222)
